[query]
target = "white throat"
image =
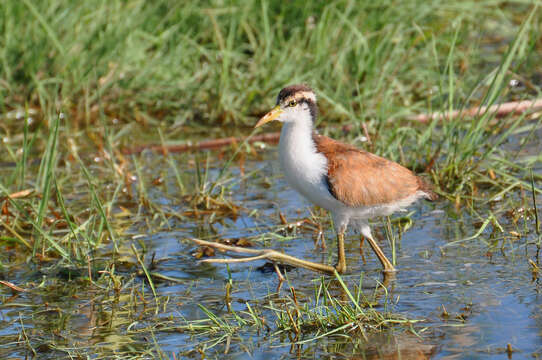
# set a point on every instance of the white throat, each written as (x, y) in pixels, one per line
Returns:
(305, 169)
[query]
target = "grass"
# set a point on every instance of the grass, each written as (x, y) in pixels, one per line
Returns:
(306, 322)
(203, 63)
(82, 80)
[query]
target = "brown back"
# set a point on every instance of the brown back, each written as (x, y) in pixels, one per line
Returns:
(359, 178)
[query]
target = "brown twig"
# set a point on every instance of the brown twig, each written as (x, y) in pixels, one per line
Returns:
(205, 144)
(18, 194)
(12, 286)
(500, 110)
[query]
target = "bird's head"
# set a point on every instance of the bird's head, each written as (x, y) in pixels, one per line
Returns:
(295, 103)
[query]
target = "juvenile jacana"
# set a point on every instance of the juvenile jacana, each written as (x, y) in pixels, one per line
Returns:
(354, 185)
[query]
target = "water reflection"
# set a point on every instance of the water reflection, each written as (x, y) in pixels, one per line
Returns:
(486, 290)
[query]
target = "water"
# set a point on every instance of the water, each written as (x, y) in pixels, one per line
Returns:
(472, 297)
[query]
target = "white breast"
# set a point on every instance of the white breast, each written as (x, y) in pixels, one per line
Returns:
(304, 168)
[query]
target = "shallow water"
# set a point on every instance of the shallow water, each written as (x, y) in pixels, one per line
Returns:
(485, 285)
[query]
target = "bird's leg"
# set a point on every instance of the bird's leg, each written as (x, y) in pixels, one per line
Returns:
(387, 277)
(267, 254)
(341, 262)
(388, 267)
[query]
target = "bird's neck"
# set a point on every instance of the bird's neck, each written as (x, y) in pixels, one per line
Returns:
(299, 158)
(296, 138)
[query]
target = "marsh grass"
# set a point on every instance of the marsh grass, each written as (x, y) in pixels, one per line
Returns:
(329, 314)
(82, 80)
(211, 64)
(332, 311)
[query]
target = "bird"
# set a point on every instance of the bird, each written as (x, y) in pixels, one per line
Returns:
(354, 185)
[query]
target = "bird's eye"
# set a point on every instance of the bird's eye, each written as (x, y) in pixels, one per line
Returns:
(292, 103)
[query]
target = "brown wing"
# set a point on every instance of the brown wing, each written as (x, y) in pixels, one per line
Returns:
(359, 178)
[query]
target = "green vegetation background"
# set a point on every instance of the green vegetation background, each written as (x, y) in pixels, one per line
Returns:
(94, 77)
(82, 80)
(222, 62)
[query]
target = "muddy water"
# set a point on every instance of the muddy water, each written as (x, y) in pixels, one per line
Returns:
(472, 297)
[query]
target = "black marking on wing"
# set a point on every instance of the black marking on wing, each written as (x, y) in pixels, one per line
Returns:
(329, 187)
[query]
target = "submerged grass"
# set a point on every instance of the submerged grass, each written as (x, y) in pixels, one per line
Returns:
(85, 79)
(298, 322)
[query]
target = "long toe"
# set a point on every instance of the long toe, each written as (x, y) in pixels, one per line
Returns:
(389, 269)
(341, 268)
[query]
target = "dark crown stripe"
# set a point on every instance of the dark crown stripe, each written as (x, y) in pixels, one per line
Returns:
(291, 90)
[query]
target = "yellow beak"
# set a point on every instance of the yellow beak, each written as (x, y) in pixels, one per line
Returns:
(270, 116)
